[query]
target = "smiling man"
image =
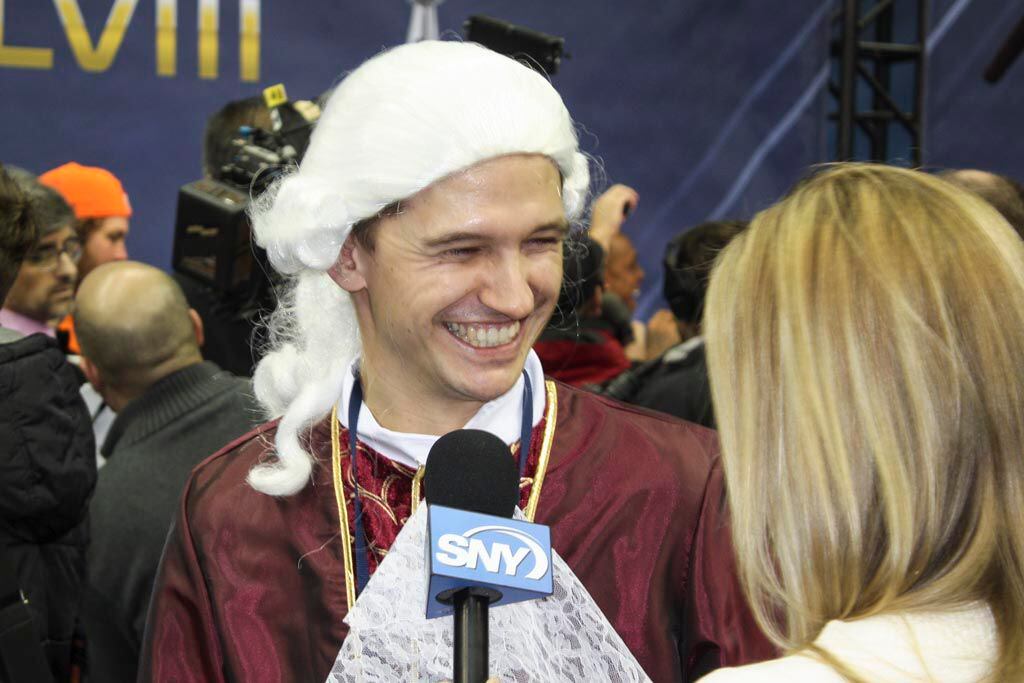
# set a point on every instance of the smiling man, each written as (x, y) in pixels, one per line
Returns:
(423, 232)
(451, 291)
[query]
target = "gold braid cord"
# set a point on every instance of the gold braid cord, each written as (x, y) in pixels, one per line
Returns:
(339, 496)
(417, 484)
(545, 450)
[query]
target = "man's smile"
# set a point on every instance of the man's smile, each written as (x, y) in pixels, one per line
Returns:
(485, 335)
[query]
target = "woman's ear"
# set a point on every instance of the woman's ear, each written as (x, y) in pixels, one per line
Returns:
(347, 270)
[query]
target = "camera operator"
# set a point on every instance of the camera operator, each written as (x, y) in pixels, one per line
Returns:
(244, 144)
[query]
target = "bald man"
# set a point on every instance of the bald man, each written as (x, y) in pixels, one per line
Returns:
(1005, 194)
(141, 351)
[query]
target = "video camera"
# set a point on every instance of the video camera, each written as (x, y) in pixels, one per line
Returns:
(225, 275)
(212, 236)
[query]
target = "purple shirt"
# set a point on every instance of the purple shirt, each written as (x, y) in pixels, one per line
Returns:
(20, 323)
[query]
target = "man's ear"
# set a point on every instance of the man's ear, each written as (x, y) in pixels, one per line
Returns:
(347, 270)
(92, 374)
(197, 327)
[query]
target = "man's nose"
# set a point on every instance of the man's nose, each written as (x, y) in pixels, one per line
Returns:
(66, 267)
(508, 288)
(121, 252)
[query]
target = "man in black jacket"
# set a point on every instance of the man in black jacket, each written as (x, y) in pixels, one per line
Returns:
(677, 381)
(140, 350)
(47, 467)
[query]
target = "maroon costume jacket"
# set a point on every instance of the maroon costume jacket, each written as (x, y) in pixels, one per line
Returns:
(255, 588)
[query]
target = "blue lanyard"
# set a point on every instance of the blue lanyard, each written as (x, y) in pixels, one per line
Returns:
(355, 402)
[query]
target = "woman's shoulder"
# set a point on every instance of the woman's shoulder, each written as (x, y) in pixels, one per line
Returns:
(791, 669)
(960, 643)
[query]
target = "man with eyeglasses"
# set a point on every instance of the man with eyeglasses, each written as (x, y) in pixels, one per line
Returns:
(46, 441)
(44, 289)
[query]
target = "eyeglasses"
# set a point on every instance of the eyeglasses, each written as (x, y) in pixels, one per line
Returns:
(48, 257)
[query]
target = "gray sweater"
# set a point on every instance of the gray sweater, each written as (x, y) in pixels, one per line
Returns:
(151, 448)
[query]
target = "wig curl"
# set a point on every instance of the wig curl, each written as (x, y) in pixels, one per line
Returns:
(402, 121)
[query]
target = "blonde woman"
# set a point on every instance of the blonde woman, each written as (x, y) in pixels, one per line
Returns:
(865, 341)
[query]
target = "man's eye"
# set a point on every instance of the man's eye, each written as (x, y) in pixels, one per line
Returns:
(42, 255)
(545, 241)
(460, 252)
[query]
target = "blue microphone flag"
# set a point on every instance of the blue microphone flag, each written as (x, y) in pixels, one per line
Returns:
(467, 549)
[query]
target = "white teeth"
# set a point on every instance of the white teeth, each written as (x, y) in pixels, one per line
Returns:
(484, 336)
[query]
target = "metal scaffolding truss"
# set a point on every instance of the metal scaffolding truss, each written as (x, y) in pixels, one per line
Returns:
(877, 83)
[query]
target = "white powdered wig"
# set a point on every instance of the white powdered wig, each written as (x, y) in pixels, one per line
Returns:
(400, 122)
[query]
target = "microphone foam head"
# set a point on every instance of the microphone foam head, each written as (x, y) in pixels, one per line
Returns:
(470, 469)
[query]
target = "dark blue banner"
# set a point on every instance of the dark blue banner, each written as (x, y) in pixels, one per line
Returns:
(708, 108)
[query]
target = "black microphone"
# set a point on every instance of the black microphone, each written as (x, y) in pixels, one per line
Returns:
(472, 470)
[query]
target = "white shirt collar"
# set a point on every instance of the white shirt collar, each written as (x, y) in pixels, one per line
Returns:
(501, 417)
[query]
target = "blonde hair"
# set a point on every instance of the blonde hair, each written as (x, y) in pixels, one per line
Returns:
(866, 348)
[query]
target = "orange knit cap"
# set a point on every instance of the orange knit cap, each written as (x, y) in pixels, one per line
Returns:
(92, 192)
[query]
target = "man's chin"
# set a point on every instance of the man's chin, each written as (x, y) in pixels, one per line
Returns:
(61, 309)
(486, 385)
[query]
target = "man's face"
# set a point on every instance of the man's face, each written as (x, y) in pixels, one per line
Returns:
(45, 286)
(104, 244)
(461, 282)
(623, 273)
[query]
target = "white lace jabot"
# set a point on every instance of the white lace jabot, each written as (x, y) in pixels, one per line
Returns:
(565, 637)
(501, 417)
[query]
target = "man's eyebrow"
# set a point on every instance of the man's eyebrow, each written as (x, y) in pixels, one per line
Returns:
(562, 227)
(452, 238)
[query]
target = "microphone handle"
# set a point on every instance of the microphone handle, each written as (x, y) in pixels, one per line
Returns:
(471, 635)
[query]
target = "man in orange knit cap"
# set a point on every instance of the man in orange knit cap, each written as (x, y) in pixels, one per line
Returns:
(102, 210)
(101, 207)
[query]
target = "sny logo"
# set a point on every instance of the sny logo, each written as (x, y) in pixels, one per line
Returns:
(478, 547)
